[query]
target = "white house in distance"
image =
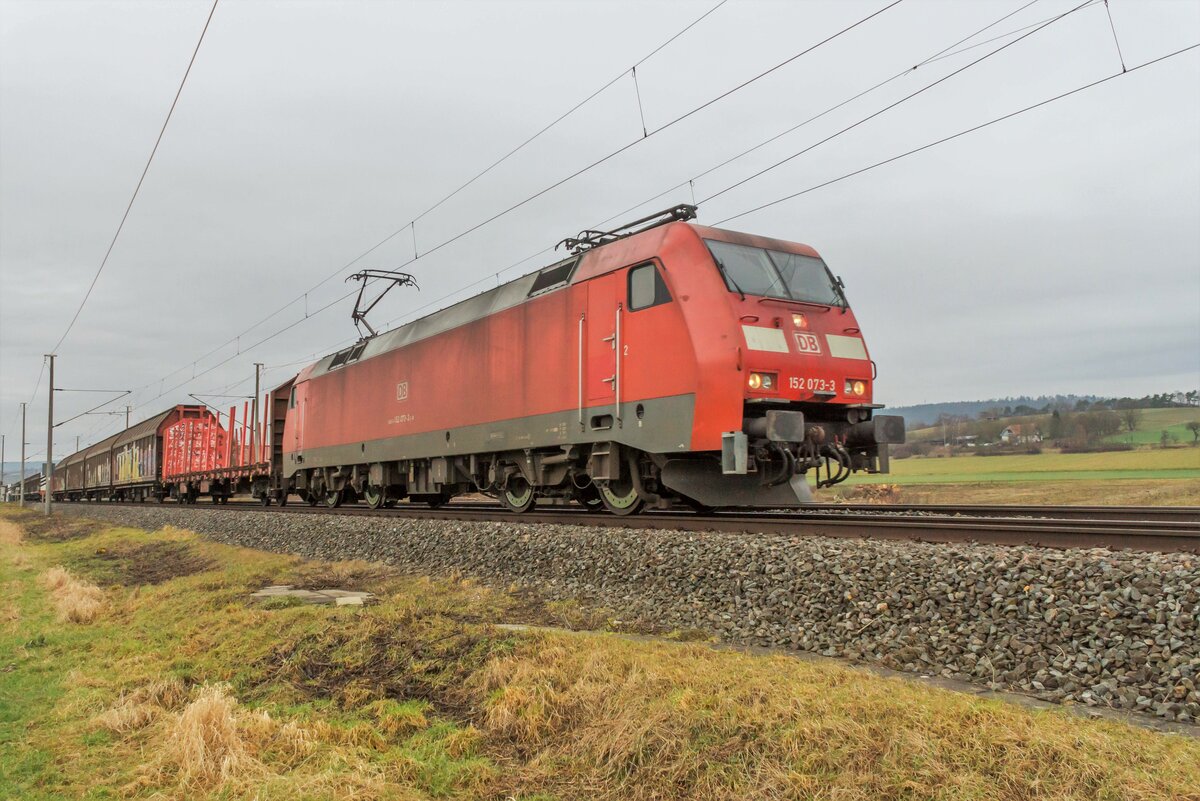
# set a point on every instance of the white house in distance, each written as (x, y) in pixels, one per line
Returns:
(1020, 433)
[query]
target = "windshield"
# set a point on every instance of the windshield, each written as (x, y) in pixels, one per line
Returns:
(775, 274)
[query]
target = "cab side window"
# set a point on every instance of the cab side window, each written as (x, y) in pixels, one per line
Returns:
(646, 288)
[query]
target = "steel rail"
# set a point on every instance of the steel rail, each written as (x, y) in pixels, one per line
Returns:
(1183, 514)
(1049, 532)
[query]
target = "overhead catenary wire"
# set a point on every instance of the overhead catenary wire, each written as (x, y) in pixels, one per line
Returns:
(899, 102)
(141, 179)
(1039, 27)
(941, 54)
(962, 133)
(627, 146)
(411, 226)
(936, 56)
(570, 111)
(526, 200)
(1112, 26)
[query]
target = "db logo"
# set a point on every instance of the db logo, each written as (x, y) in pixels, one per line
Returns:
(402, 391)
(807, 343)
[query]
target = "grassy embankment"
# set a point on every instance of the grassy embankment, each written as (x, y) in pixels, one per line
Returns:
(133, 665)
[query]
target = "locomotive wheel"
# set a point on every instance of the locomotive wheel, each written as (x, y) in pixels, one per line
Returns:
(621, 498)
(265, 500)
(519, 496)
(334, 498)
(283, 497)
(311, 498)
(374, 496)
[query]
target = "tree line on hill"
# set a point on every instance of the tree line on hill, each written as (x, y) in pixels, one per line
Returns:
(1084, 425)
(930, 414)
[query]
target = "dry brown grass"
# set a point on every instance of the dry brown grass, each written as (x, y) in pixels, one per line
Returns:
(13, 535)
(206, 745)
(636, 721)
(212, 744)
(141, 707)
(10, 533)
(75, 600)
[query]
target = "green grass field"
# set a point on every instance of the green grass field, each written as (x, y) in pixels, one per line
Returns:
(1155, 421)
(1172, 463)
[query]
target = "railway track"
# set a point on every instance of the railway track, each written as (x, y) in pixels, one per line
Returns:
(1136, 528)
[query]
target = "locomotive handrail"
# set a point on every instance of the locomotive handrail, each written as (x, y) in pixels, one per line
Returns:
(581, 319)
(617, 366)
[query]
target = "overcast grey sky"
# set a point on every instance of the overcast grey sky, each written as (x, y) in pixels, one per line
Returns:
(1055, 252)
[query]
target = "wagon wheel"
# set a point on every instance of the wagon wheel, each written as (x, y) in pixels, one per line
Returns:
(620, 498)
(519, 496)
(334, 498)
(265, 498)
(374, 496)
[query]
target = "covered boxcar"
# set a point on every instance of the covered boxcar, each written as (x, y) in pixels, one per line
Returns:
(71, 468)
(97, 469)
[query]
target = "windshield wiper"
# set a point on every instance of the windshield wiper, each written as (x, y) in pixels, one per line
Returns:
(728, 277)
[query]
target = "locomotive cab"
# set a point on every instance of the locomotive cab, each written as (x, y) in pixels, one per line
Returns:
(807, 376)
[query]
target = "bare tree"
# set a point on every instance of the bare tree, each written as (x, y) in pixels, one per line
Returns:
(1131, 418)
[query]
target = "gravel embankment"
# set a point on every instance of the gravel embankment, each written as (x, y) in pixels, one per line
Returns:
(1089, 626)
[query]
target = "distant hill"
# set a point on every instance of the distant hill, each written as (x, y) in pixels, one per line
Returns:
(929, 412)
(925, 414)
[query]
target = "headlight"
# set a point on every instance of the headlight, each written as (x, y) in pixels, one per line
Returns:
(858, 388)
(799, 321)
(762, 381)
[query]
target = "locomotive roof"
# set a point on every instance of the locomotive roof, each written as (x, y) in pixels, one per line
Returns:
(517, 291)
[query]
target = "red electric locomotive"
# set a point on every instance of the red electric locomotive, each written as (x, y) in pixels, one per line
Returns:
(664, 362)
